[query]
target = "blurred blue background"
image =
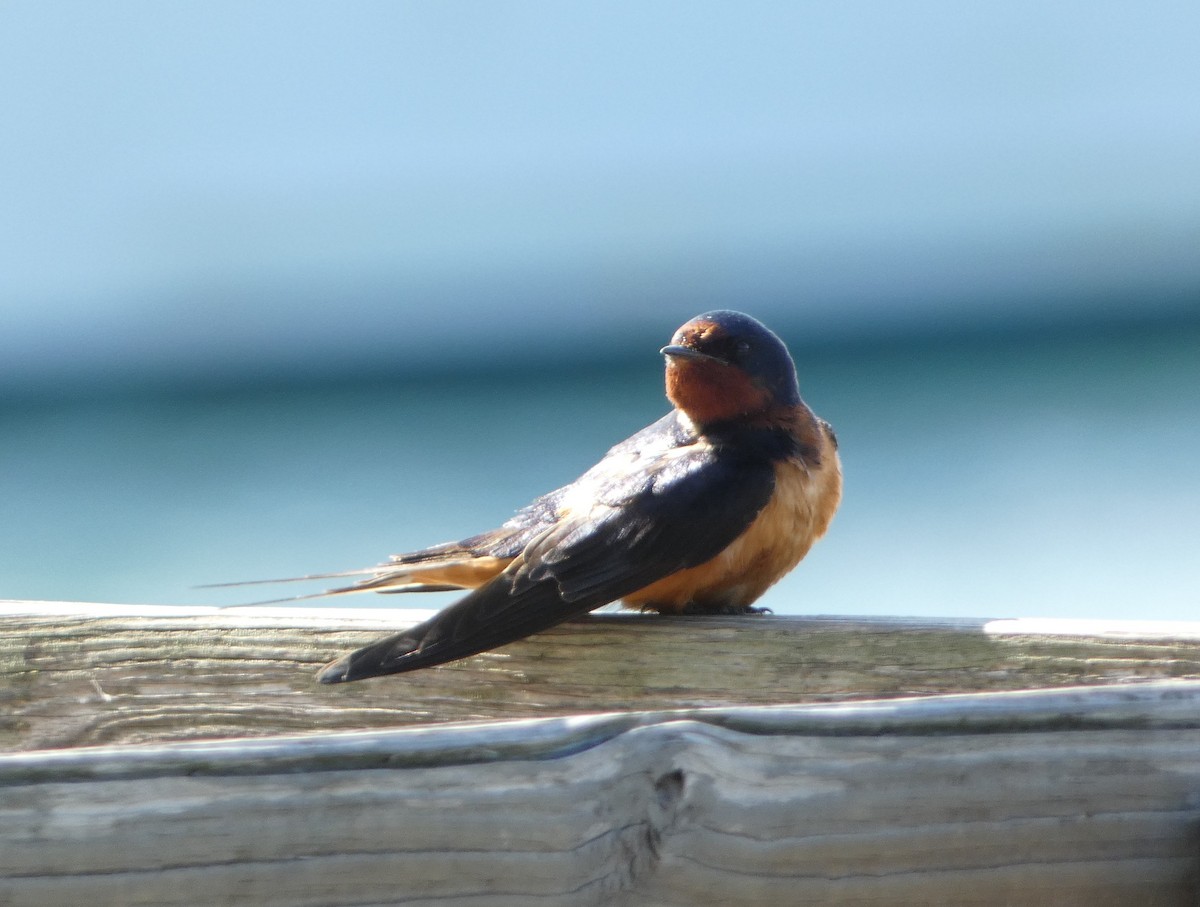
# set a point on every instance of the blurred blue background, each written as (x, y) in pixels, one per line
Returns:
(288, 287)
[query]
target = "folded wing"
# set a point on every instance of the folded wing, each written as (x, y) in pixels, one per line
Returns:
(615, 531)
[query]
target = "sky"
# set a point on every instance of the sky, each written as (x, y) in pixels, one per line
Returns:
(198, 188)
(249, 195)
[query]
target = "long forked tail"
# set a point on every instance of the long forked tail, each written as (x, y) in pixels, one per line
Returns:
(441, 569)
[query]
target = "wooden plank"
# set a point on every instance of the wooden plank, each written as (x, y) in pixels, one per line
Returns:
(1066, 796)
(1084, 796)
(75, 675)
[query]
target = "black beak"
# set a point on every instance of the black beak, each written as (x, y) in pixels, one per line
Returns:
(674, 351)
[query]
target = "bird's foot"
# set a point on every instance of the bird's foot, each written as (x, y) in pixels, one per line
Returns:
(695, 608)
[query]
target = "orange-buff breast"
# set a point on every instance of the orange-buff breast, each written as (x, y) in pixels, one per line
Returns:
(798, 514)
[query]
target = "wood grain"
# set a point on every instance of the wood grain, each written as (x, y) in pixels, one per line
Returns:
(678, 766)
(78, 675)
(1067, 797)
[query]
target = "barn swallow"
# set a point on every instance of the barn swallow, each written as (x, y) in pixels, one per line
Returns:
(698, 513)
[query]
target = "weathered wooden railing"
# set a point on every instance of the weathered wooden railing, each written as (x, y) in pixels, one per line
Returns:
(620, 759)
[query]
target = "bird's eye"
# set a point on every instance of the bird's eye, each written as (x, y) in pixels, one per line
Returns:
(743, 347)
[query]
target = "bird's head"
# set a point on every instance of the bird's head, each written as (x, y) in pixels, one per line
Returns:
(724, 365)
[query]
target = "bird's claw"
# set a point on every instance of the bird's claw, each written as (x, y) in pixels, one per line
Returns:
(692, 608)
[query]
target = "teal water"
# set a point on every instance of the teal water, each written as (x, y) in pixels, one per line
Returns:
(1051, 476)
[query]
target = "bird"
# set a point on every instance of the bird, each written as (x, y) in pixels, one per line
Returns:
(698, 513)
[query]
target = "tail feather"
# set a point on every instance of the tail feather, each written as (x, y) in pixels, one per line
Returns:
(364, 571)
(462, 570)
(341, 590)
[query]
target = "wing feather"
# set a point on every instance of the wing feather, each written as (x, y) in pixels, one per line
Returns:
(618, 530)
